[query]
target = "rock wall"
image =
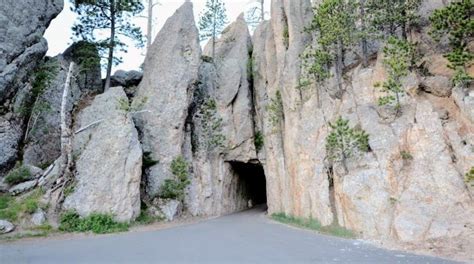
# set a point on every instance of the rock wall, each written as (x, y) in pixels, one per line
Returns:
(108, 166)
(42, 142)
(222, 111)
(22, 24)
(171, 70)
(383, 195)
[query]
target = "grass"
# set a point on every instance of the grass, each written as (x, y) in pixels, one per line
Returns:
(313, 224)
(145, 218)
(11, 209)
(18, 175)
(97, 223)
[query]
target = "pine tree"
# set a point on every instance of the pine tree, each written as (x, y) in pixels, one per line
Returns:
(334, 23)
(456, 22)
(256, 14)
(390, 15)
(97, 16)
(344, 142)
(398, 58)
(212, 21)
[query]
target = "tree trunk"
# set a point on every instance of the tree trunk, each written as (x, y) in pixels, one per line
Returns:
(66, 148)
(149, 25)
(339, 63)
(262, 6)
(214, 22)
(110, 59)
(365, 51)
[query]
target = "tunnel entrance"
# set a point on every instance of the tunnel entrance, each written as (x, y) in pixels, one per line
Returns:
(252, 181)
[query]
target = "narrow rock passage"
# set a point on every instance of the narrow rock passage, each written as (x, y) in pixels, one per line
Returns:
(246, 237)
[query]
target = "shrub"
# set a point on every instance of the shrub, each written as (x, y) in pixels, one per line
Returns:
(212, 125)
(258, 141)
(70, 221)
(344, 142)
(18, 175)
(275, 110)
(175, 188)
(469, 177)
(406, 155)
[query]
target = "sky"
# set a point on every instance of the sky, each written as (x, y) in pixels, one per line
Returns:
(59, 32)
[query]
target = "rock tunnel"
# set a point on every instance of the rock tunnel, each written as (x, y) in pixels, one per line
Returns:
(252, 180)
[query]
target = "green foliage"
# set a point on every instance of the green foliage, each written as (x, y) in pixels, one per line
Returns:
(344, 142)
(469, 177)
(316, 66)
(258, 141)
(5, 200)
(334, 26)
(86, 55)
(286, 36)
(145, 218)
(456, 22)
(95, 20)
(399, 55)
(275, 110)
(43, 76)
(18, 175)
(70, 221)
(12, 209)
(212, 20)
(175, 188)
(212, 125)
(406, 155)
(313, 224)
(390, 15)
(137, 105)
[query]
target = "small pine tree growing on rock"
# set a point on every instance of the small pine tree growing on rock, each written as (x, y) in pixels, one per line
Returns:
(391, 15)
(344, 142)
(175, 188)
(334, 23)
(398, 58)
(212, 21)
(456, 22)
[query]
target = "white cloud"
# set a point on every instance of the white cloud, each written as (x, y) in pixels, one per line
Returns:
(59, 32)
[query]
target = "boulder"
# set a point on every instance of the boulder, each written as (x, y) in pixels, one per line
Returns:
(10, 136)
(38, 218)
(438, 85)
(126, 78)
(23, 187)
(6, 227)
(168, 208)
(171, 70)
(109, 160)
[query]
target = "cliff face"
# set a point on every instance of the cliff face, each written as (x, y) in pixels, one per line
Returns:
(22, 46)
(383, 195)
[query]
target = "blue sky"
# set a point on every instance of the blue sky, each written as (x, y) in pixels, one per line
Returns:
(59, 33)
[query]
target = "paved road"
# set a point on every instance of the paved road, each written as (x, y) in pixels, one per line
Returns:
(247, 237)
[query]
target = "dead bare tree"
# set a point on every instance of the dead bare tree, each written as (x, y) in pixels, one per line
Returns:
(65, 160)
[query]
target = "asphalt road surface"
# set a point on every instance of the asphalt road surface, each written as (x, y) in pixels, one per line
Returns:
(247, 237)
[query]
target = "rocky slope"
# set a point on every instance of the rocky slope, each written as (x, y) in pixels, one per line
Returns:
(214, 112)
